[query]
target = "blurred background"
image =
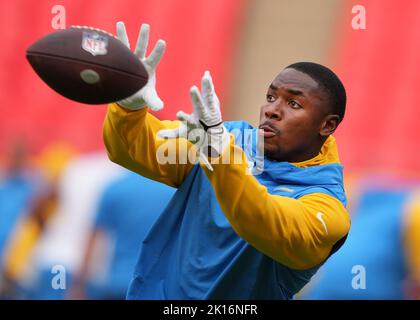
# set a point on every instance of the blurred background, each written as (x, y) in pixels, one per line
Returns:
(64, 231)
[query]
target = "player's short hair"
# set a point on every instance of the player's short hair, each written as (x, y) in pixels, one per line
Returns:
(329, 81)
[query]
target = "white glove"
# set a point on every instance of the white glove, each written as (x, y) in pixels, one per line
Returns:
(204, 127)
(146, 96)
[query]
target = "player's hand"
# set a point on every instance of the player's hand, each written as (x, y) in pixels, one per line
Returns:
(146, 96)
(204, 127)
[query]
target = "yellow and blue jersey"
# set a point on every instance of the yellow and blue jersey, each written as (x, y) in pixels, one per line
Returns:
(225, 233)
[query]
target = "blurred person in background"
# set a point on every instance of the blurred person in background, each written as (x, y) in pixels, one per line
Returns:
(63, 240)
(48, 164)
(19, 184)
(127, 209)
(381, 257)
(15, 191)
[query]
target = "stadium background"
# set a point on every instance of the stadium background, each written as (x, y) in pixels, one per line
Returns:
(244, 43)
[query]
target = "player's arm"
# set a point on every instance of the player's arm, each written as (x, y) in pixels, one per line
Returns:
(131, 141)
(299, 233)
(130, 132)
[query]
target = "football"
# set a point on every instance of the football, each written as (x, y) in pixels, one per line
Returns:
(87, 65)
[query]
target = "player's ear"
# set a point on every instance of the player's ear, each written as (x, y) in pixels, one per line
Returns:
(329, 124)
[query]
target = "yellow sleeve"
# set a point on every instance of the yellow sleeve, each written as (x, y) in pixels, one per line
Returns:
(130, 140)
(299, 233)
(412, 239)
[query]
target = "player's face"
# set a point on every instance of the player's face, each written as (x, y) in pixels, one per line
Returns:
(292, 117)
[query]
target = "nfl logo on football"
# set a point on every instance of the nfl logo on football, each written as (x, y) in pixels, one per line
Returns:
(95, 43)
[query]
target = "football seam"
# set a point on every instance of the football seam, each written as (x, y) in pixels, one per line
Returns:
(87, 28)
(85, 62)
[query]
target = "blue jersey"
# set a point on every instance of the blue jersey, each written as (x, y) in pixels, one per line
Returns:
(192, 251)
